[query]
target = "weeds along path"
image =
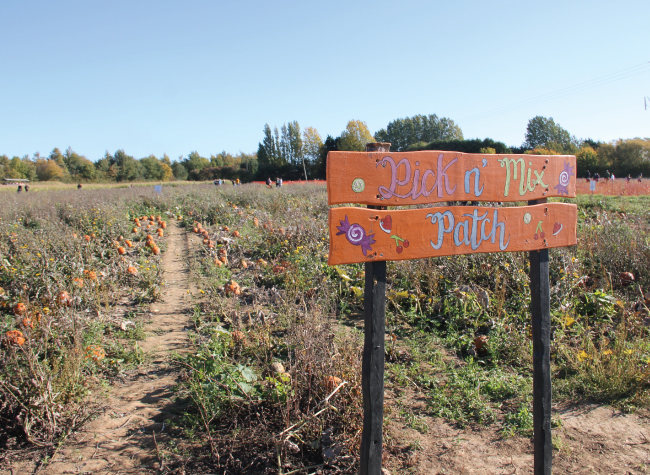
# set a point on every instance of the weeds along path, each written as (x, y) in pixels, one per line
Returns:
(121, 439)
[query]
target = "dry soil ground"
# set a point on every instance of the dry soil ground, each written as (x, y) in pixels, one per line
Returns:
(122, 439)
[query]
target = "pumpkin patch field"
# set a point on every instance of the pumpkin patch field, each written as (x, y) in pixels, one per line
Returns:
(263, 373)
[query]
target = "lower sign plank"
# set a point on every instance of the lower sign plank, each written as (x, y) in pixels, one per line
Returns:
(366, 235)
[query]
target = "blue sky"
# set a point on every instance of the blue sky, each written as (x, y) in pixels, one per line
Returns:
(156, 77)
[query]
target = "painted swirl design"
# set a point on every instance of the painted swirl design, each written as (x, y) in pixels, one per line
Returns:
(356, 234)
(564, 178)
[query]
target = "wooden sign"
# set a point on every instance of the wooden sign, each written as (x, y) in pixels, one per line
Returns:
(410, 178)
(375, 234)
(366, 235)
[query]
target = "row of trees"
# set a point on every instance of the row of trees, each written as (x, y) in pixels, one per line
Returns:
(295, 153)
(72, 167)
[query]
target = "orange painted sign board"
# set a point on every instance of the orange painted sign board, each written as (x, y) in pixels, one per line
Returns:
(411, 178)
(367, 235)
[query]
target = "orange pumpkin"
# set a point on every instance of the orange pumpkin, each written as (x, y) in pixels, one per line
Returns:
(218, 263)
(132, 270)
(224, 259)
(134, 230)
(205, 241)
(121, 251)
(128, 243)
(64, 299)
(331, 383)
(149, 237)
(155, 249)
(87, 238)
(15, 337)
(233, 288)
(160, 232)
(195, 229)
(19, 308)
(256, 222)
(236, 234)
(79, 282)
(163, 225)
(27, 322)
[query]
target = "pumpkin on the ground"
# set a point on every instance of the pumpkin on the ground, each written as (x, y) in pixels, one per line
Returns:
(15, 337)
(19, 308)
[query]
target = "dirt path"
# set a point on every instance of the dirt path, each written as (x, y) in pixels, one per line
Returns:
(121, 439)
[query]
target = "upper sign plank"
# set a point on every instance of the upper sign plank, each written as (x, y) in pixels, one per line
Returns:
(410, 178)
(366, 235)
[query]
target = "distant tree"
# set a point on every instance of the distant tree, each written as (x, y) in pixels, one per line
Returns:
(180, 172)
(58, 158)
(469, 146)
(78, 167)
(623, 157)
(194, 161)
(311, 144)
(22, 168)
(403, 133)
(153, 169)
(331, 144)
(488, 150)
(591, 143)
(4, 166)
(165, 159)
(168, 173)
(544, 132)
(128, 169)
(586, 159)
(355, 136)
(47, 170)
(268, 152)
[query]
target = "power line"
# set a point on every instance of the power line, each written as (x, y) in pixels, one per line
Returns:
(580, 87)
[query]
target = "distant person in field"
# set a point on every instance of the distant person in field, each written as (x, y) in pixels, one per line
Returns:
(280, 182)
(26, 188)
(596, 177)
(20, 188)
(640, 177)
(629, 177)
(613, 177)
(277, 182)
(609, 175)
(79, 186)
(588, 176)
(268, 182)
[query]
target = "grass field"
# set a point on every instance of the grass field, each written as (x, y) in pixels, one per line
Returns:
(273, 358)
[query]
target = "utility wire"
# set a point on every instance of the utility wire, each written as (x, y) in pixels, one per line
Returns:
(580, 87)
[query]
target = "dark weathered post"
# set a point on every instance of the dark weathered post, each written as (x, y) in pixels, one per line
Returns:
(372, 371)
(540, 308)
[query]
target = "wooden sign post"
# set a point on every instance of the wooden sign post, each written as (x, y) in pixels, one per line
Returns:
(375, 234)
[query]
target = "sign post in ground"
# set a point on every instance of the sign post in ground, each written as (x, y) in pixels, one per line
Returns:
(376, 234)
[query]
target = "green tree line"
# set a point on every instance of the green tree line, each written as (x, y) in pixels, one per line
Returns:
(294, 153)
